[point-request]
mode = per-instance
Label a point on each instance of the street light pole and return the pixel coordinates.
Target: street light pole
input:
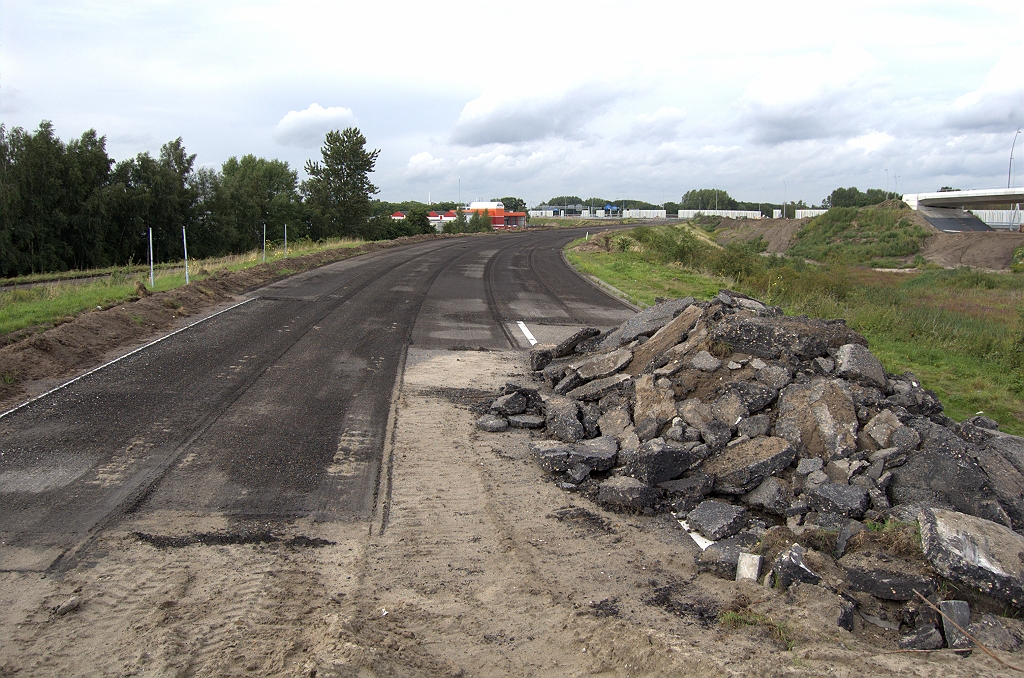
(1008, 169)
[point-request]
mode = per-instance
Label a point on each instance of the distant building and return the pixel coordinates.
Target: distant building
(398, 216)
(500, 219)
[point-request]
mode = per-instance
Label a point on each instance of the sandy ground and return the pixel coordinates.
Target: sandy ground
(478, 566)
(991, 251)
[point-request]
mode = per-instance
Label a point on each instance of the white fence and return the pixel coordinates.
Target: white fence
(807, 214)
(644, 214)
(1010, 219)
(728, 214)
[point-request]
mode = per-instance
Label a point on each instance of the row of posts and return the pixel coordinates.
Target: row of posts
(184, 243)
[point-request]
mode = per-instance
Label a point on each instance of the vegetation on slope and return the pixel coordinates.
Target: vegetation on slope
(875, 236)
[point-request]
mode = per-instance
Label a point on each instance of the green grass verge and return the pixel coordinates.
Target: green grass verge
(43, 305)
(961, 332)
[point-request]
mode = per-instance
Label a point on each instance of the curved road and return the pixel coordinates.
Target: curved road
(277, 408)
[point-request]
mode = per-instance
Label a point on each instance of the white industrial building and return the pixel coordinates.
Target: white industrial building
(728, 214)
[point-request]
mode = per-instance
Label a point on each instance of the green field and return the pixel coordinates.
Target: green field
(961, 332)
(50, 300)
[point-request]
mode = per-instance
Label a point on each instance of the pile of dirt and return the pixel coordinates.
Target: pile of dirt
(33, 355)
(778, 233)
(991, 251)
(792, 457)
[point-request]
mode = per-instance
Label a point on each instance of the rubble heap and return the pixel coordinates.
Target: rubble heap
(754, 428)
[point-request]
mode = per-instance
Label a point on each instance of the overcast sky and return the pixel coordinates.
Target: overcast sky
(644, 100)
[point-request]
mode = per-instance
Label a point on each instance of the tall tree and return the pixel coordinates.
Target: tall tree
(338, 189)
(256, 191)
(511, 203)
(708, 199)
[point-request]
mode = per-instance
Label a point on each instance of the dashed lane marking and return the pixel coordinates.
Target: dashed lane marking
(526, 332)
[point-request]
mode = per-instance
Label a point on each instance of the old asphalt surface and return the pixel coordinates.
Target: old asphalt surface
(277, 408)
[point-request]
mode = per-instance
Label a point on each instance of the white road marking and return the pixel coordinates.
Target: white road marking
(526, 332)
(130, 353)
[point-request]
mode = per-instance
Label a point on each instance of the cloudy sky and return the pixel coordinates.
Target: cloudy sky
(645, 100)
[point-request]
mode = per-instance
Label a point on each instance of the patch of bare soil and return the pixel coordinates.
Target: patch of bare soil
(484, 568)
(32, 360)
(980, 249)
(778, 233)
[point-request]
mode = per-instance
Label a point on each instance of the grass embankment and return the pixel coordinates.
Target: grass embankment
(50, 303)
(873, 236)
(961, 332)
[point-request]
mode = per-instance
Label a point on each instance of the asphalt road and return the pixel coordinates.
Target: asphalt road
(276, 409)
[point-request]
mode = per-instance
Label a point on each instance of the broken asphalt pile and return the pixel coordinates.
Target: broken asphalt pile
(791, 456)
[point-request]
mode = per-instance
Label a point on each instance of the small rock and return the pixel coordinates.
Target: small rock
(716, 434)
(741, 468)
(694, 412)
(927, 637)
(492, 423)
(578, 473)
(688, 492)
(614, 421)
(513, 403)
(70, 605)
(722, 557)
(599, 388)
(991, 633)
(905, 439)
(975, 552)
(626, 493)
(773, 495)
(604, 364)
(733, 365)
(526, 421)
(957, 613)
(755, 426)
(705, 362)
(881, 427)
(855, 362)
(851, 528)
(814, 480)
(599, 454)
(884, 576)
(825, 365)
(541, 356)
(563, 419)
(789, 568)
(658, 460)
(729, 409)
(748, 566)
(552, 456)
(805, 466)
(758, 364)
(717, 519)
(569, 345)
(846, 500)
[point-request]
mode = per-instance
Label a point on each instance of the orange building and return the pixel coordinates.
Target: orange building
(500, 219)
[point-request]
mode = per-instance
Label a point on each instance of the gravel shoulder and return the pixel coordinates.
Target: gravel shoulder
(483, 568)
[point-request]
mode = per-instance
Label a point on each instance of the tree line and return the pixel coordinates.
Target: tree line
(69, 205)
(718, 199)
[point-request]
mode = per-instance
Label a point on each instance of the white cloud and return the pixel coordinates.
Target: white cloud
(869, 142)
(306, 129)
(425, 166)
(501, 117)
(661, 126)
